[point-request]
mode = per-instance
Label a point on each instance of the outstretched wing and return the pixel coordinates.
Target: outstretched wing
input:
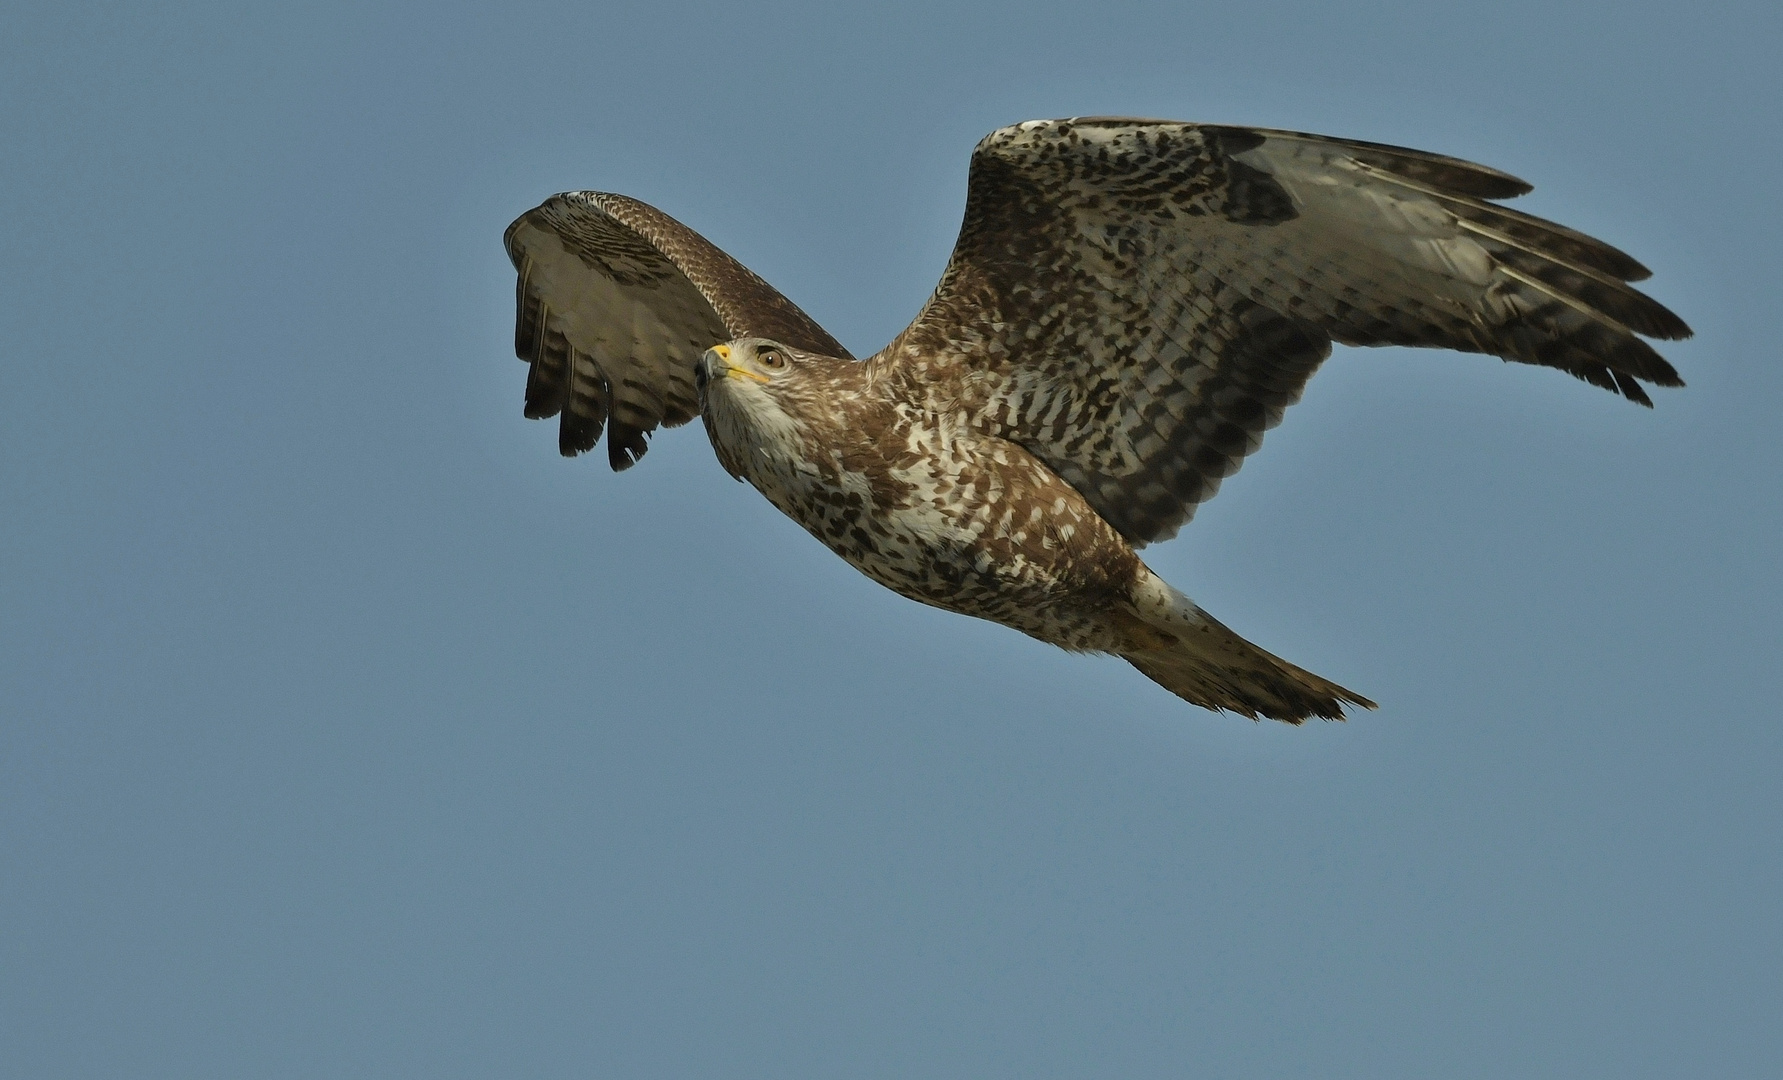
(617, 301)
(1136, 301)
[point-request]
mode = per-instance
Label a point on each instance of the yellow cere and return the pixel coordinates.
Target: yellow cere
(724, 353)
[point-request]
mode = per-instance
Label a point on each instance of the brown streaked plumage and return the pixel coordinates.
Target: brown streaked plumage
(1130, 304)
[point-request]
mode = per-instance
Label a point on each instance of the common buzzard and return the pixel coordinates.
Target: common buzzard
(1130, 305)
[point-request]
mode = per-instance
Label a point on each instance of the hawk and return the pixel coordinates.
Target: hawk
(1129, 306)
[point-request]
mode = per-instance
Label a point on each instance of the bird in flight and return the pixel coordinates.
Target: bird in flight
(1129, 306)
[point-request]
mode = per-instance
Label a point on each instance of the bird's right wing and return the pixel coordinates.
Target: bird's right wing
(1136, 301)
(617, 301)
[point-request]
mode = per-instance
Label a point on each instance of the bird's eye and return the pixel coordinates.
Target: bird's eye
(770, 359)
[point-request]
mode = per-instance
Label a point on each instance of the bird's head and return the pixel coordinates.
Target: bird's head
(759, 399)
(756, 360)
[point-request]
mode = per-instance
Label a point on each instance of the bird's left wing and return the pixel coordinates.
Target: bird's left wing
(1136, 301)
(617, 301)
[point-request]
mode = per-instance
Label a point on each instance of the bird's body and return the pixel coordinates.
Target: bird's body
(1130, 305)
(921, 502)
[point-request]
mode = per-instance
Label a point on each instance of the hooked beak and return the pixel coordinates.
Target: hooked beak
(717, 363)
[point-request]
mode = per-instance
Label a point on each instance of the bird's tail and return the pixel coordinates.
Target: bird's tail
(1194, 656)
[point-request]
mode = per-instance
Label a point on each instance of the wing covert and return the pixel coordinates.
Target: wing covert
(616, 302)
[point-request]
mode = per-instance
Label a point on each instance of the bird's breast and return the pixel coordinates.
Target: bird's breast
(961, 521)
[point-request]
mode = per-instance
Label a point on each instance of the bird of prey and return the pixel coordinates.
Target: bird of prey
(1129, 306)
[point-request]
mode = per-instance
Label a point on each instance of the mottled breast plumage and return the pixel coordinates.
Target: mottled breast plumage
(919, 502)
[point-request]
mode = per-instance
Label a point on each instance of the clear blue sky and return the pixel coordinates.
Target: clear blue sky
(346, 731)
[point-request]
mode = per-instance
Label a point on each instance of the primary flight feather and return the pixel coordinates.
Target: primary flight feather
(1129, 306)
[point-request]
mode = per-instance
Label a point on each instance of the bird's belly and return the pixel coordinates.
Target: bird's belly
(983, 530)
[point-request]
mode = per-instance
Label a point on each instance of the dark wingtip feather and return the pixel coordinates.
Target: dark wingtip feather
(1628, 354)
(577, 433)
(1616, 382)
(625, 445)
(1454, 174)
(529, 310)
(1451, 174)
(1326, 706)
(544, 397)
(1631, 389)
(1658, 370)
(1623, 303)
(1540, 235)
(1666, 324)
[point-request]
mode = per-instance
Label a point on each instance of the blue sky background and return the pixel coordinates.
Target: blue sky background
(347, 731)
